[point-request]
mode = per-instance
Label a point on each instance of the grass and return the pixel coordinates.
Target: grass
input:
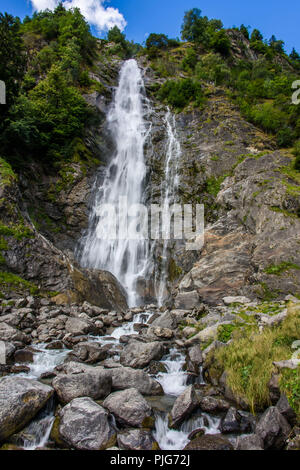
(290, 384)
(14, 282)
(19, 232)
(278, 269)
(6, 173)
(248, 360)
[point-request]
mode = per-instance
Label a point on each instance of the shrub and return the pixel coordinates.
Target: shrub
(179, 93)
(296, 152)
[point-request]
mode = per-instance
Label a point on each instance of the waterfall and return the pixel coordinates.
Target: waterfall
(169, 187)
(125, 177)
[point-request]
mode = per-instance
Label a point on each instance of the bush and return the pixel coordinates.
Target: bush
(296, 152)
(221, 43)
(179, 93)
(190, 60)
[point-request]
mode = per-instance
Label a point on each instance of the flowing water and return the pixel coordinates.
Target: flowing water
(105, 248)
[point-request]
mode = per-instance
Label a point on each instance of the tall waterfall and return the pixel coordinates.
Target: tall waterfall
(125, 177)
(169, 194)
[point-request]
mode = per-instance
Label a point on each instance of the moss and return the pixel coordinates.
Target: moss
(284, 212)
(6, 172)
(19, 231)
(278, 269)
(225, 332)
(213, 185)
(14, 282)
(174, 270)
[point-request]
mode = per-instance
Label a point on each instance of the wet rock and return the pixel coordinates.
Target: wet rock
(125, 377)
(184, 405)
(274, 389)
(273, 429)
(138, 355)
(23, 356)
(19, 369)
(250, 442)
(55, 345)
(130, 408)
(286, 410)
(20, 400)
(90, 352)
(155, 367)
(230, 423)
(165, 320)
(196, 433)
(85, 425)
(137, 439)
(209, 442)
(94, 384)
(211, 404)
(77, 327)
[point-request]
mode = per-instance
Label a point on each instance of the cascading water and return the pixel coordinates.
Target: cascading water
(125, 178)
(169, 187)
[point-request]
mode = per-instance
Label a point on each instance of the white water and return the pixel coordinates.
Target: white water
(39, 430)
(125, 177)
(174, 382)
(44, 361)
(169, 187)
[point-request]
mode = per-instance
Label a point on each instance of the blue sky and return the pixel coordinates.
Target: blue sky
(147, 16)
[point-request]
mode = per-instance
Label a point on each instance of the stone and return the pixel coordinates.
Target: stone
(273, 429)
(274, 388)
(90, 352)
(250, 442)
(94, 384)
(286, 410)
(20, 400)
(130, 408)
(187, 300)
(209, 442)
(184, 405)
(77, 327)
(10, 334)
(137, 439)
(85, 425)
(213, 405)
(165, 320)
(230, 423)
(236, 300)
(23, 356)
(138, 355)
(125, 377)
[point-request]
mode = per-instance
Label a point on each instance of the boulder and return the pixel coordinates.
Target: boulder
(10, 334)
(213, 405)
(250, 442)
(187, 300)
(286, 410)
(184, 405)
(23, 356)
(78, 327)
(230, 423)
(90, 352)
(130, 408)
(137, 439)
(125, 377)
(94, 384)
(85, 425)
(165, 320)
(273, 429)
(236, 300)
(138, 355)
(274, 389)
(209, 442)
(20, 400)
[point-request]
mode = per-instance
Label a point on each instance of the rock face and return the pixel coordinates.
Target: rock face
(138, 355)
(273, 429)
(130, 408)
(250, 442)
(84, 425)
(184, 406)
(95, 384)
(137, 439)
(20, 400)
(125, 377)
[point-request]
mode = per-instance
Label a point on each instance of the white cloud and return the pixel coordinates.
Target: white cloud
(95, 12)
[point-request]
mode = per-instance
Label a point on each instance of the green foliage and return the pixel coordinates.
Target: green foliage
(180, 93)
(13, 282)
(221, 43)
(256, 36)
(278, 269)
(156, 43)
(19, 232)
(245, 31)
(296, 152)
(199, 29)
(225, 332)
(6, 172)
(290, 384)
(212, 68)
(190, 60)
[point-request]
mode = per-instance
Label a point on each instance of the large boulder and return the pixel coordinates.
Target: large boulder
(209, 442)
(273, 429)
(138, 355)
(137, 439)
(79, 327)
(183, 406)
(90, 352)
(10, 334)
(166, 320)
(85, 425)
(211, 404)
(125, 377)
(286, 410)
(130, 408)
(95, 384)
(20, 400)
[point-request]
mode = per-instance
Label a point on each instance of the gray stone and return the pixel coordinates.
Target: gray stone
(184, 405)
(187, 300)
(250, 442)
(130, 408)
(137, 439)
(20, 400)
(138, 355)
(286, 410)
(125, 377)
(85, 425)
(209, 442)
(273, 429)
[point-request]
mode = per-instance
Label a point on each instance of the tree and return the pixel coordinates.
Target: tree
(199, 29)
(245, 31)
(275, 44)
(256, 36)
(158, 41)
(116, 36)
(12, 58)
(221, 43)
(294, 55)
